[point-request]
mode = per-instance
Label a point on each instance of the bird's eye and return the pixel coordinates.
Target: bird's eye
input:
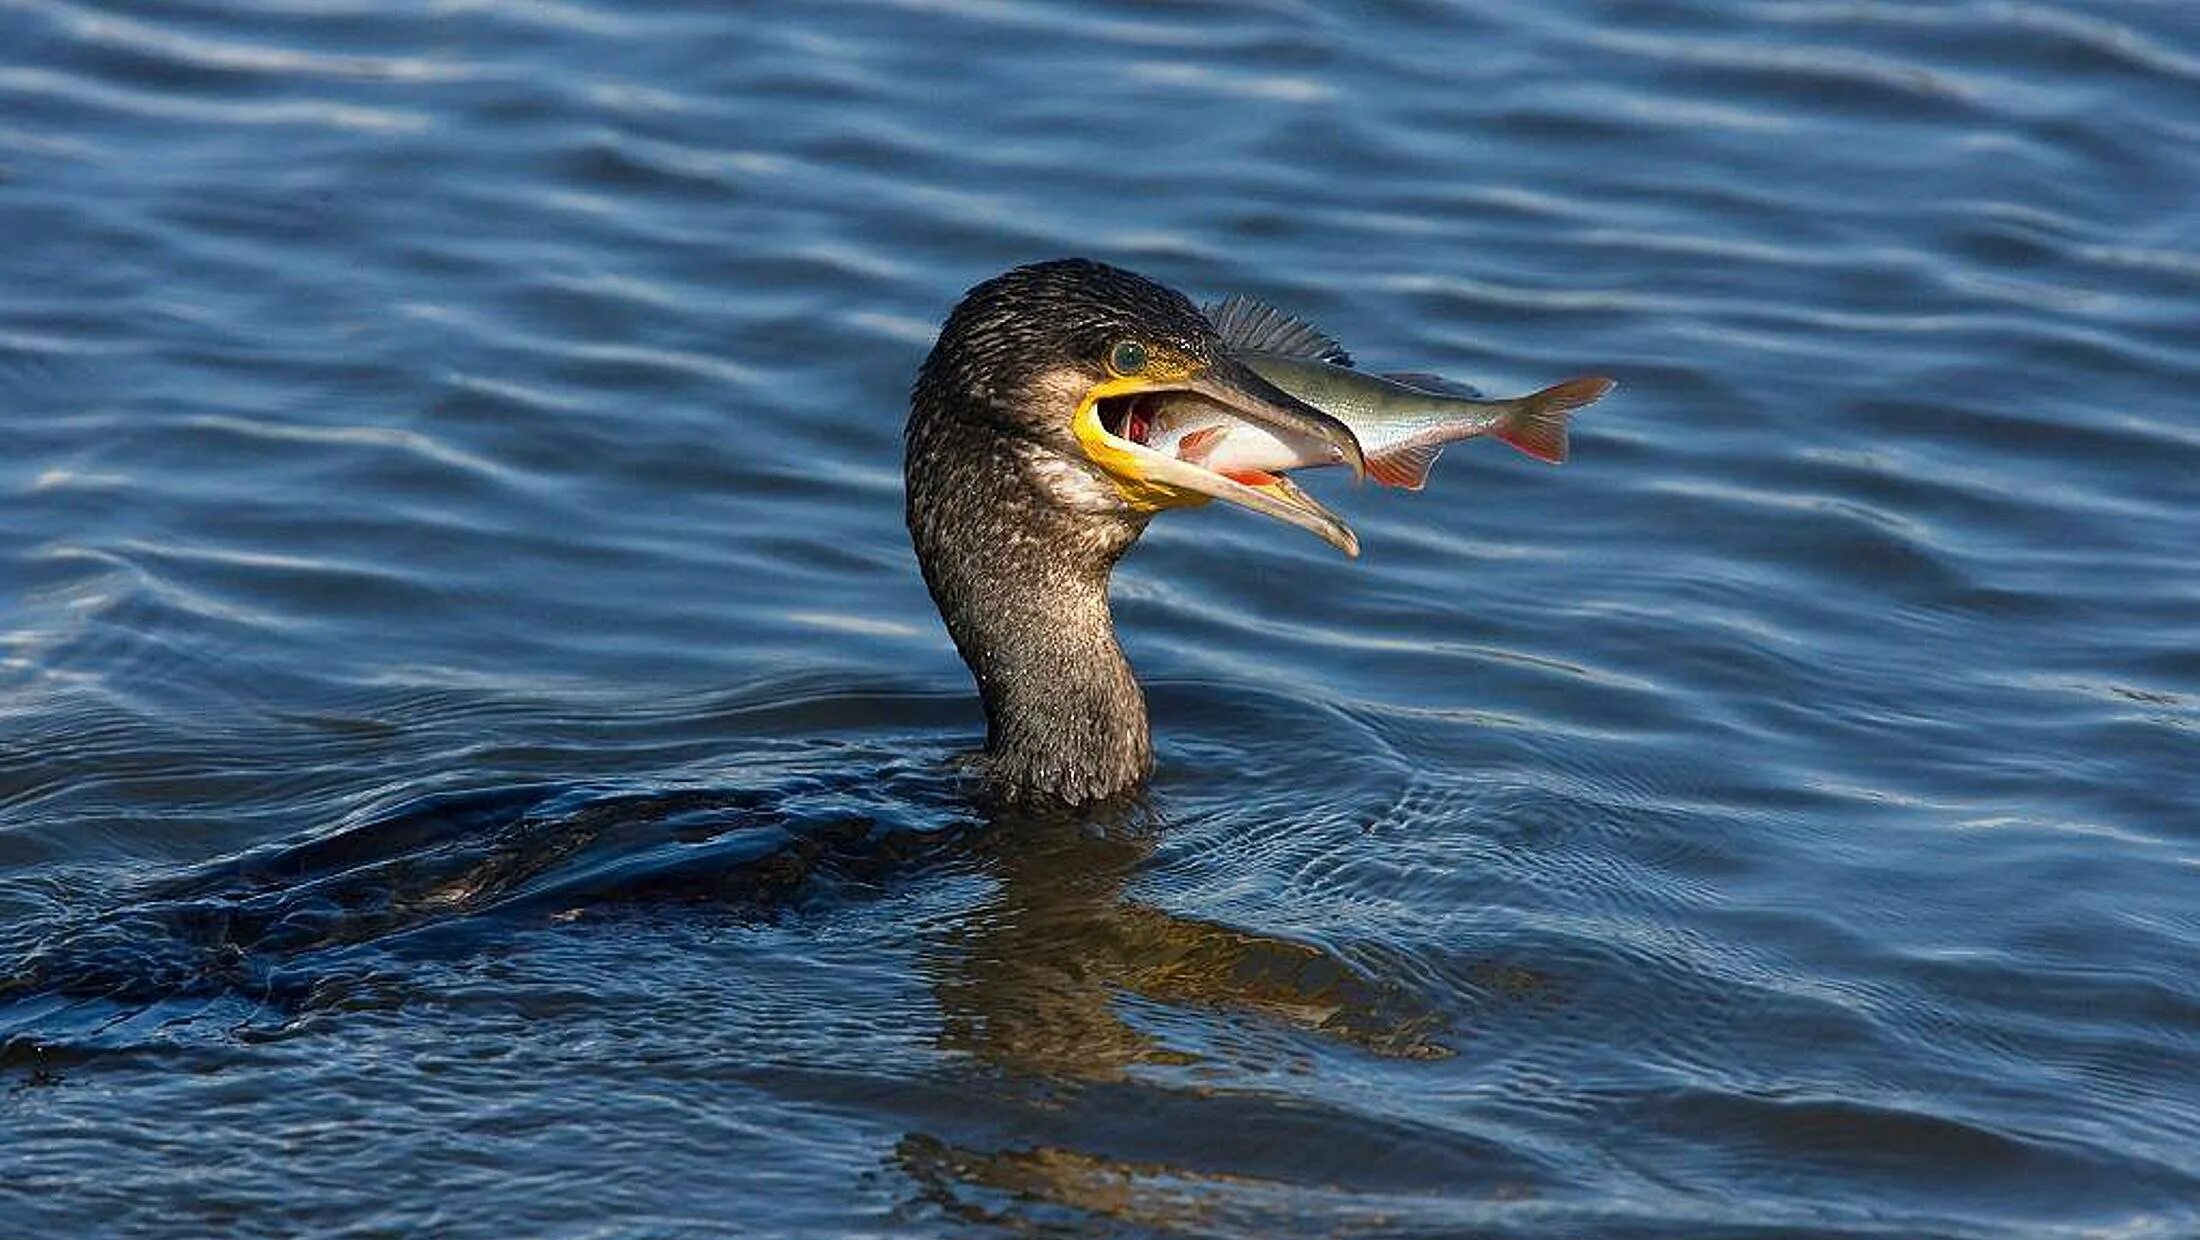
(1128, 358)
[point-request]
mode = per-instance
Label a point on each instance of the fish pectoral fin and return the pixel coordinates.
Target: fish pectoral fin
(1538, 426)
(1250, 323)
(1195, 445)
(1406, 467)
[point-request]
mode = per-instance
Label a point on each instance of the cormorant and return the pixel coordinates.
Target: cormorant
(1026, 483)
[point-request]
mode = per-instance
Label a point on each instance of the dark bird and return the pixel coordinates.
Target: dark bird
(1028, 478)
(1027, 481)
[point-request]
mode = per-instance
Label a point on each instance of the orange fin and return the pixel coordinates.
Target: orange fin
(1406, 467)
(1195, 445)
(1538, 426)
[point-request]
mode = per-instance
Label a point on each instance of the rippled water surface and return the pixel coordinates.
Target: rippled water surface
(476, 755)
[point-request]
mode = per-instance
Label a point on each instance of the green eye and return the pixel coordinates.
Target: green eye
(1128, 358)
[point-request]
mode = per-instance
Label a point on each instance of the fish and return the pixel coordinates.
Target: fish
(1403, 421)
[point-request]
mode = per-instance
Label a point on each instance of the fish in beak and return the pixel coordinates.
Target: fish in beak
(1110, 428)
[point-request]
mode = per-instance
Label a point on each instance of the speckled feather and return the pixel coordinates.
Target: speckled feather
(1017, 533)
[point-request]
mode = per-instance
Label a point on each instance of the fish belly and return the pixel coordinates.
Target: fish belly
(1256, 449)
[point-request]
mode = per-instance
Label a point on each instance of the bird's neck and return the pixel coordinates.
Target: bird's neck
(1018, 557)
(1065, 718)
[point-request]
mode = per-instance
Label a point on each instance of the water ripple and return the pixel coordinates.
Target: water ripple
(458, 619)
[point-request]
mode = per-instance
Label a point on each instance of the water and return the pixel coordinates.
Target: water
(476, 756)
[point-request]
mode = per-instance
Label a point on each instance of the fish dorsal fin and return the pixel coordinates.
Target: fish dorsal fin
(1250, 323)
(1406, 467)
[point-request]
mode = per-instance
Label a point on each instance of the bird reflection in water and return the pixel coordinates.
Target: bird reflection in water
(1061, 982)
(1036, 979)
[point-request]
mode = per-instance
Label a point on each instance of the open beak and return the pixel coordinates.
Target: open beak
(1155, 480)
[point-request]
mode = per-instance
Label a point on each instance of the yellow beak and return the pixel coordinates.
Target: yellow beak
(1153, 480)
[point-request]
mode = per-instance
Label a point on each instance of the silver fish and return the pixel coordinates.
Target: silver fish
(1402, 421)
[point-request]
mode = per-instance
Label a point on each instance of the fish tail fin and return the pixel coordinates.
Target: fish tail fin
(1538, 425)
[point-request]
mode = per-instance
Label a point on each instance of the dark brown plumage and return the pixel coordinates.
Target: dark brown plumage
(1017, 531)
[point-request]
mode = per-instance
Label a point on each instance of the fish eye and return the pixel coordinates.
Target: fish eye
(1127, 358)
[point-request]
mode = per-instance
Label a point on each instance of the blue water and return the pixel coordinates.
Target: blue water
(476, 757)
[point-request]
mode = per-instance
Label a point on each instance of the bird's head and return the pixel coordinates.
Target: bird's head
(1058, 355)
